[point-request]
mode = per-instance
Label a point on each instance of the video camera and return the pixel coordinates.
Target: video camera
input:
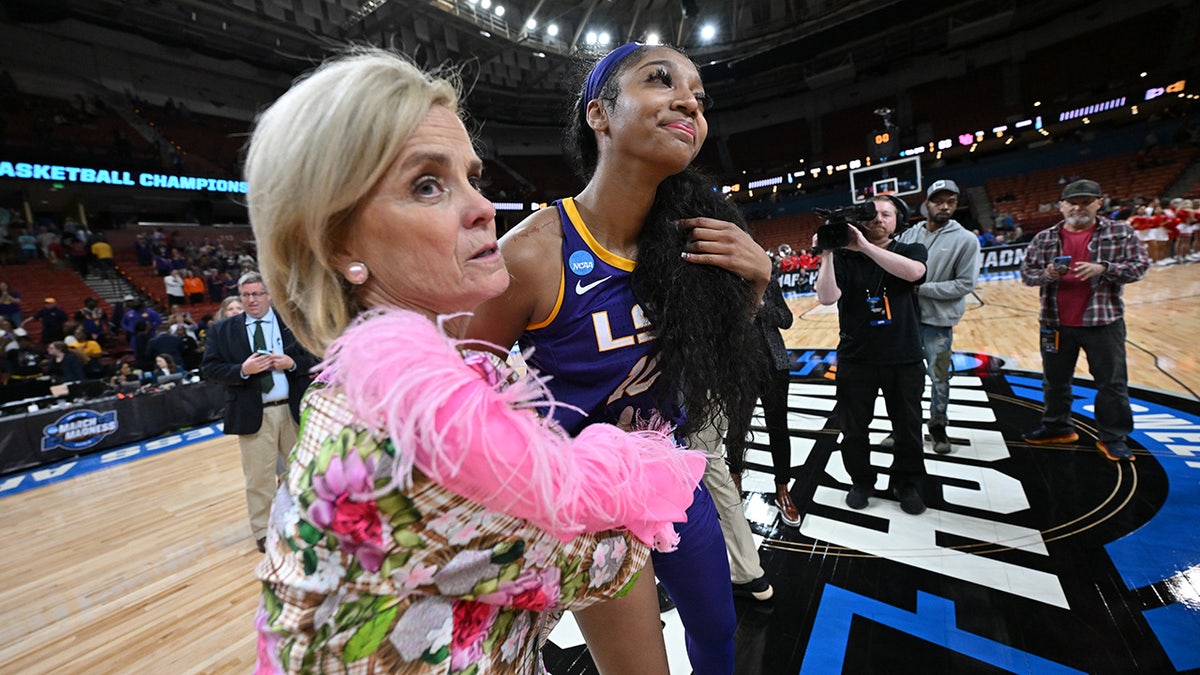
(835, 233)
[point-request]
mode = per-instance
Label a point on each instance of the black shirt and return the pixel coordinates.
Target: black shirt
(859, 278)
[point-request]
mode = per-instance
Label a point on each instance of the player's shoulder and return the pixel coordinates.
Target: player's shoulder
(535, 240)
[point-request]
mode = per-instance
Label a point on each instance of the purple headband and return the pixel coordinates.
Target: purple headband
(601, 71)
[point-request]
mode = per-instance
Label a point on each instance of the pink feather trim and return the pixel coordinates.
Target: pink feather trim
(400, 373)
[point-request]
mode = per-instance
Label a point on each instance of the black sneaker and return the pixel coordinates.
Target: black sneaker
(1115, 450)
(910, 499)
(941, 442)
(664, 601)
(858, 497)
(759, 589)
(1042, 436)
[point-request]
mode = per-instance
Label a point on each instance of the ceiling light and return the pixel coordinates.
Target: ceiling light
(605, 38)
(530, 24)
(486, 4)
(708, 32)
(552, 30)
(653, 39)
(499, 10)
(590, 38)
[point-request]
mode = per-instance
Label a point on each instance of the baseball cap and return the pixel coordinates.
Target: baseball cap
(50, 300)
(1082, 188)
(942, 186)
(20, 332)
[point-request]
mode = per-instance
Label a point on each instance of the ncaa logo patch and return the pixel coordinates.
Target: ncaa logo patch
(581, 263)
(78, 430)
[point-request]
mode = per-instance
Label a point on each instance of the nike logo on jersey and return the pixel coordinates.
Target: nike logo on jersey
(580, 288)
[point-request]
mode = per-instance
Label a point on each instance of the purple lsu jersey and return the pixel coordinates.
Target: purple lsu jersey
(597, 345)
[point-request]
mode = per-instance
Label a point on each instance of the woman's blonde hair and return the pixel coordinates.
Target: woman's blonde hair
(225, 306)
(312, 156)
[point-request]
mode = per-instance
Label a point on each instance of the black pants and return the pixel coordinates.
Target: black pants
(774, 402)
(858, 384)
(1105, 349)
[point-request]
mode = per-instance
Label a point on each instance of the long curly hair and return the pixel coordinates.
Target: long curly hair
(711, 358)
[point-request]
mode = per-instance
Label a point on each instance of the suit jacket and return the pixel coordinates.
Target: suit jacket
(226, 347)
(775, 314)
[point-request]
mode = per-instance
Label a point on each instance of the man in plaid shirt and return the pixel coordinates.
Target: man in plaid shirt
(1082, 264)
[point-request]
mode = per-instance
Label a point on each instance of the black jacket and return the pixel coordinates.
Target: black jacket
(226, 347)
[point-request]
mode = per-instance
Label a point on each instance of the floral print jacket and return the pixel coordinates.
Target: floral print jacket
(417, 580)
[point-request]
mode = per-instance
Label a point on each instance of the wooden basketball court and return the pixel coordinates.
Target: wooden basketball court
(146, 567)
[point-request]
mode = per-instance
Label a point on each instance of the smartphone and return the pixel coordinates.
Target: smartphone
(263, 351)
(1062, 262)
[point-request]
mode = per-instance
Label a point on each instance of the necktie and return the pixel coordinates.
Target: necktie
(260, 342)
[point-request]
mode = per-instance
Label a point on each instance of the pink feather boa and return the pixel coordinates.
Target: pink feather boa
(400, 373)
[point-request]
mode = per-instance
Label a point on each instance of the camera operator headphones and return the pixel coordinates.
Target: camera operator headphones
(901, 214)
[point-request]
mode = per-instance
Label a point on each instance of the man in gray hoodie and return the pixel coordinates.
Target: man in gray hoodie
(951, 272)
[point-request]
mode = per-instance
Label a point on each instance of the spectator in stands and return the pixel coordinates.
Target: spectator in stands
(28, 244)
(1082, 309)
(55, 252)
(63, 365)
(165, 341)
(212, 279)
(138, 312)
(10, 304)
(193, 287)
(228, 284)
(45, 237)
(53, 320)
(173, 283)
(231, 306)
(80, 256)
(93, 320)
(142, 249)
(102, 252)
(83, 345)
(162, 265)
(952, 268)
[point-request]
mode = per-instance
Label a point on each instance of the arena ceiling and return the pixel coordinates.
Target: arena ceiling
(763, 49)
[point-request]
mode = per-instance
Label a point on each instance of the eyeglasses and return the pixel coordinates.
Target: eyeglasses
(253, 296)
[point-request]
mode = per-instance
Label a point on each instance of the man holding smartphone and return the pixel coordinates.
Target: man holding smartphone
(265, 372)
(1082, 265)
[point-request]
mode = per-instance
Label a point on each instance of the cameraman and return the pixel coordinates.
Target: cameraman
(873, 280)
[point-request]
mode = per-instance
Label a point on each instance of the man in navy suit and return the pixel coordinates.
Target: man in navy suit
(265, 372)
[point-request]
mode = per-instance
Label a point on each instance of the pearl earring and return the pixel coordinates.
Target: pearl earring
(357, 273)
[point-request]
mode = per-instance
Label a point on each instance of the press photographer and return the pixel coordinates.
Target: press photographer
(873, 278)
